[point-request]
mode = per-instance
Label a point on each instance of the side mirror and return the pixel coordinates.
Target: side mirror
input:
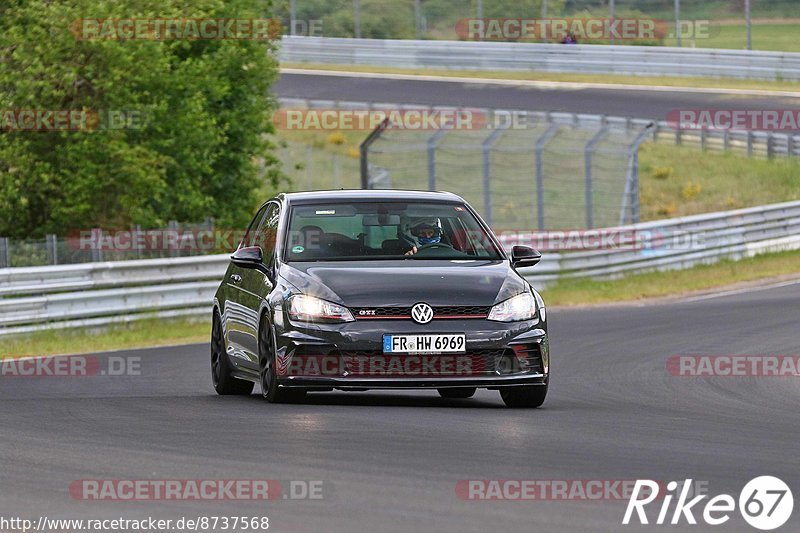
(248, 257)
(524, 256)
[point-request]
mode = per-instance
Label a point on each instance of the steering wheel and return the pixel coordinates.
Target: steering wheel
(434, 246)
(438, 249)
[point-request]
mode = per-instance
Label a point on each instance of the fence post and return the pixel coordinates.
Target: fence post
(5, 253)
(703, 139)
(364, 151)
(539, 148)
(172, 227)
(97, 251)
(588, 153)
(770, 145)
(630, 198)
(486, 148)
(433, 143)
(137, 232)
(726, 140)
(357, 18)
(749, 143)
(51, 244)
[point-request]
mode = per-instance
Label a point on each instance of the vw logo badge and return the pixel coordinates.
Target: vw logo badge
(422, 313)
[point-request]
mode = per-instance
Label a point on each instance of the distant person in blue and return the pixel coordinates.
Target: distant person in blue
(569, 39)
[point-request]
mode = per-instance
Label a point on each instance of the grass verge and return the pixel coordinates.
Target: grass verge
(684, 180)
(663, 284)
(140, 334)
(614, 79)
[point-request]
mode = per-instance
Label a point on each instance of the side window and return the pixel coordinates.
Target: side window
(267, 233)
(251, 229)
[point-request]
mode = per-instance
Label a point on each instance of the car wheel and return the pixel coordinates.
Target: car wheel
(524, 396)
(221, 371)
(270, 390)
(459, 392)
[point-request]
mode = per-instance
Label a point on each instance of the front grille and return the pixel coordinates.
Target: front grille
(404, 313)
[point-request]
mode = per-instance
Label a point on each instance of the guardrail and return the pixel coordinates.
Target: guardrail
(747, 142)
(101, 293)
(586, 59)
(685, 242)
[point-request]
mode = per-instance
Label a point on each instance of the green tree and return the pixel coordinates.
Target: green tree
(201, 148)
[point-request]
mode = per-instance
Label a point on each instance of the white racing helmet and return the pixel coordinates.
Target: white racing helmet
(421, 231)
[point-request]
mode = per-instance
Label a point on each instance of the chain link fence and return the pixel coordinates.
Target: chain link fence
(91, 246)
(547, 171)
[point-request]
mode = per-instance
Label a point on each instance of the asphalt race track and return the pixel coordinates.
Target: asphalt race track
(615, 102)
(390, 461)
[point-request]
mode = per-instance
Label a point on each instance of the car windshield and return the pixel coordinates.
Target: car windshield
(386, 230)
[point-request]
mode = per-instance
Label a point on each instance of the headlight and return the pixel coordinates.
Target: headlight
(310, 309)
(520, 307)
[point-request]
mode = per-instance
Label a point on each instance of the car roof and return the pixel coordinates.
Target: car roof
(344, 195)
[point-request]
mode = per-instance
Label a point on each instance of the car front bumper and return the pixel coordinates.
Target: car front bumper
(497, 355)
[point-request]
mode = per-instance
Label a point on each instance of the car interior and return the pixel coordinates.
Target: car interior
(312, 242)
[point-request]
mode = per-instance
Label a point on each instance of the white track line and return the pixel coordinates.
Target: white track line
(542, 84)
(743, 290)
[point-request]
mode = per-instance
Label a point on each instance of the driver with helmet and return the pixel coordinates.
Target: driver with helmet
(421, 232)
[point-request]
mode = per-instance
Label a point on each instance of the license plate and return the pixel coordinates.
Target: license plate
(421, 344)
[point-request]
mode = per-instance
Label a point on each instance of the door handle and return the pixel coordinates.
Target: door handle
(236, 278)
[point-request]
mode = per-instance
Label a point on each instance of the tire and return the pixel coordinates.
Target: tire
(221, 371)
(270, 390)
(460, 392)
(524, 396)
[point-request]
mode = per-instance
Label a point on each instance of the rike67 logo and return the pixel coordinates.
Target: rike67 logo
(766, 503)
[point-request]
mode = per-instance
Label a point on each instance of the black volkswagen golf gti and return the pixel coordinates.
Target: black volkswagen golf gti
(357, 290)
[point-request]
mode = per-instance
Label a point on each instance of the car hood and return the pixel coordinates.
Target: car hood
(406, 282)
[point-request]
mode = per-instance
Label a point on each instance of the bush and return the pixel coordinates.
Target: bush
(662, 173)
(197, 151)
(690, 191)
